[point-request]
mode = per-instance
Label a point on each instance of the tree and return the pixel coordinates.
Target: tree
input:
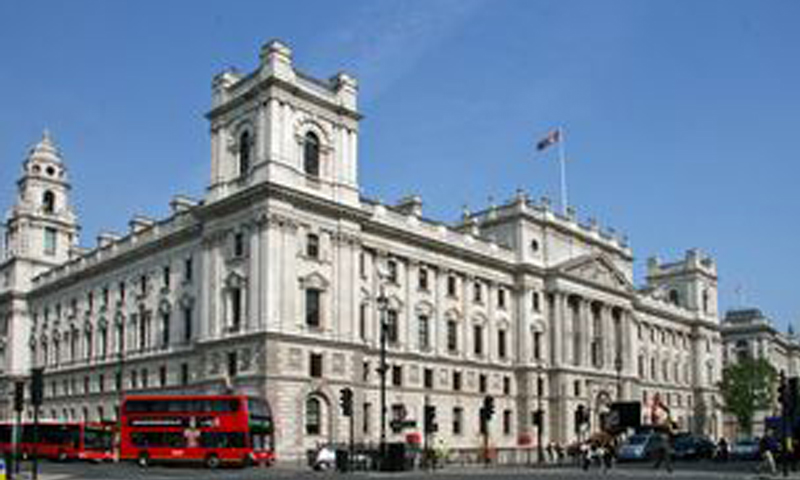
(747, 386)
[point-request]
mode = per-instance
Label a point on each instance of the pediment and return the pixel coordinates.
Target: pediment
(597, 269)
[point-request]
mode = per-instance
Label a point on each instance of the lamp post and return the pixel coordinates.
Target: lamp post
(383, 304)
(540, 414)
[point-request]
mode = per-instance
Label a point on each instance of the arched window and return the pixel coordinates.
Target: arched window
(49, 202)
(311, 154)
(313, 416)
(245, 147)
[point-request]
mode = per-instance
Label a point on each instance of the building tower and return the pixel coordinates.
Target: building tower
(41, 232)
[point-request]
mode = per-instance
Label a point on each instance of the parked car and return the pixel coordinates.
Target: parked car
(642, 446)
(745, 449)
(693, 447)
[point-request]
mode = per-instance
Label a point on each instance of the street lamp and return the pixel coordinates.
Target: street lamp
(539, 414)
(383, 304)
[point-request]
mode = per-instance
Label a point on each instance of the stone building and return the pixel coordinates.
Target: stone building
(748, 333)
(275, 284)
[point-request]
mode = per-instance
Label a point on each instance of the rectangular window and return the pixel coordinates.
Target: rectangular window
(428, 378)
(315, 365)
(536, 302)
(312, 307)
(501, 298)
(458, 419)
(478, 292)
(184, 374)
(49, 241)
(187, 270)
(145, 378)
(506, 385)
(362, 321)
(166, 274)
(501, 344)
(162, 375)
(506, 422)
(233, 364)
(478, 339)
(90, 301)
(456, 381)
(312, 245)
(238, 245)
(423, 279)
(397, 375)
(576, 388)
(366, 417)
(143, 284)
(392, 330)
(482, 383)
(105, 296)
(424, 332)
(537, 345)
(101, 383)
(539, 387)
(391, 266)
(187, 324)
(122, 292)
(452, 336)
(451, 286)
(236, 309)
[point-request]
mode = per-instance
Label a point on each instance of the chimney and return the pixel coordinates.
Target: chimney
(104, 239)
(181, 204)
(140, 222)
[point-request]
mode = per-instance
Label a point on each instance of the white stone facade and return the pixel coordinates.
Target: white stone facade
(269, 286)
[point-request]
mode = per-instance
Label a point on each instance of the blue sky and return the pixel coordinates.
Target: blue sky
(681, 116)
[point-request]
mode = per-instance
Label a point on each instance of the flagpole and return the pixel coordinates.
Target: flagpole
(562, 160)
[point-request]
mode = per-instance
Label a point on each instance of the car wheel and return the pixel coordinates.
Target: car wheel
(143, 460)
(212, 461)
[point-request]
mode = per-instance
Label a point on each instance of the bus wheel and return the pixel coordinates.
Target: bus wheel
(143, 460)
(62, 456)
(247, 461)
(212, 461)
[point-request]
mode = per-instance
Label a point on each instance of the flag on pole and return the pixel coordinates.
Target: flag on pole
(551, 139)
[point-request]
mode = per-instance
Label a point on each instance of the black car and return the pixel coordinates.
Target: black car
(692, 447)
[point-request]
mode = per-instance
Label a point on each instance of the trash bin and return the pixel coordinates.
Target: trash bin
(342, 460)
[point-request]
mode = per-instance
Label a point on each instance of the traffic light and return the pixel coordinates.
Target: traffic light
(346, 401)
(19, 396)
(37, 386)
(791, 397)
(538, 418)
(430, 419)
(488, 407)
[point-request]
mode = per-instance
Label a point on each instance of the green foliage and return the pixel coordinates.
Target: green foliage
(747, 386)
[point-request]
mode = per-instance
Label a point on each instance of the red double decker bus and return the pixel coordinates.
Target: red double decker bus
(60, 441)
(212, 429)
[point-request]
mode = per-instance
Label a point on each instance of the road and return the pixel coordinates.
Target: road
(125, 471)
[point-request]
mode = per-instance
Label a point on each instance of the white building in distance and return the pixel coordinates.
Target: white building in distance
(269, 286)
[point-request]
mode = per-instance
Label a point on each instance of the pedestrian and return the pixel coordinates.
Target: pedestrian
(664, 454)
(722, 450)
(767, 464)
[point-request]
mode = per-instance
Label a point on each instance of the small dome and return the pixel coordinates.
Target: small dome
(45, 150)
